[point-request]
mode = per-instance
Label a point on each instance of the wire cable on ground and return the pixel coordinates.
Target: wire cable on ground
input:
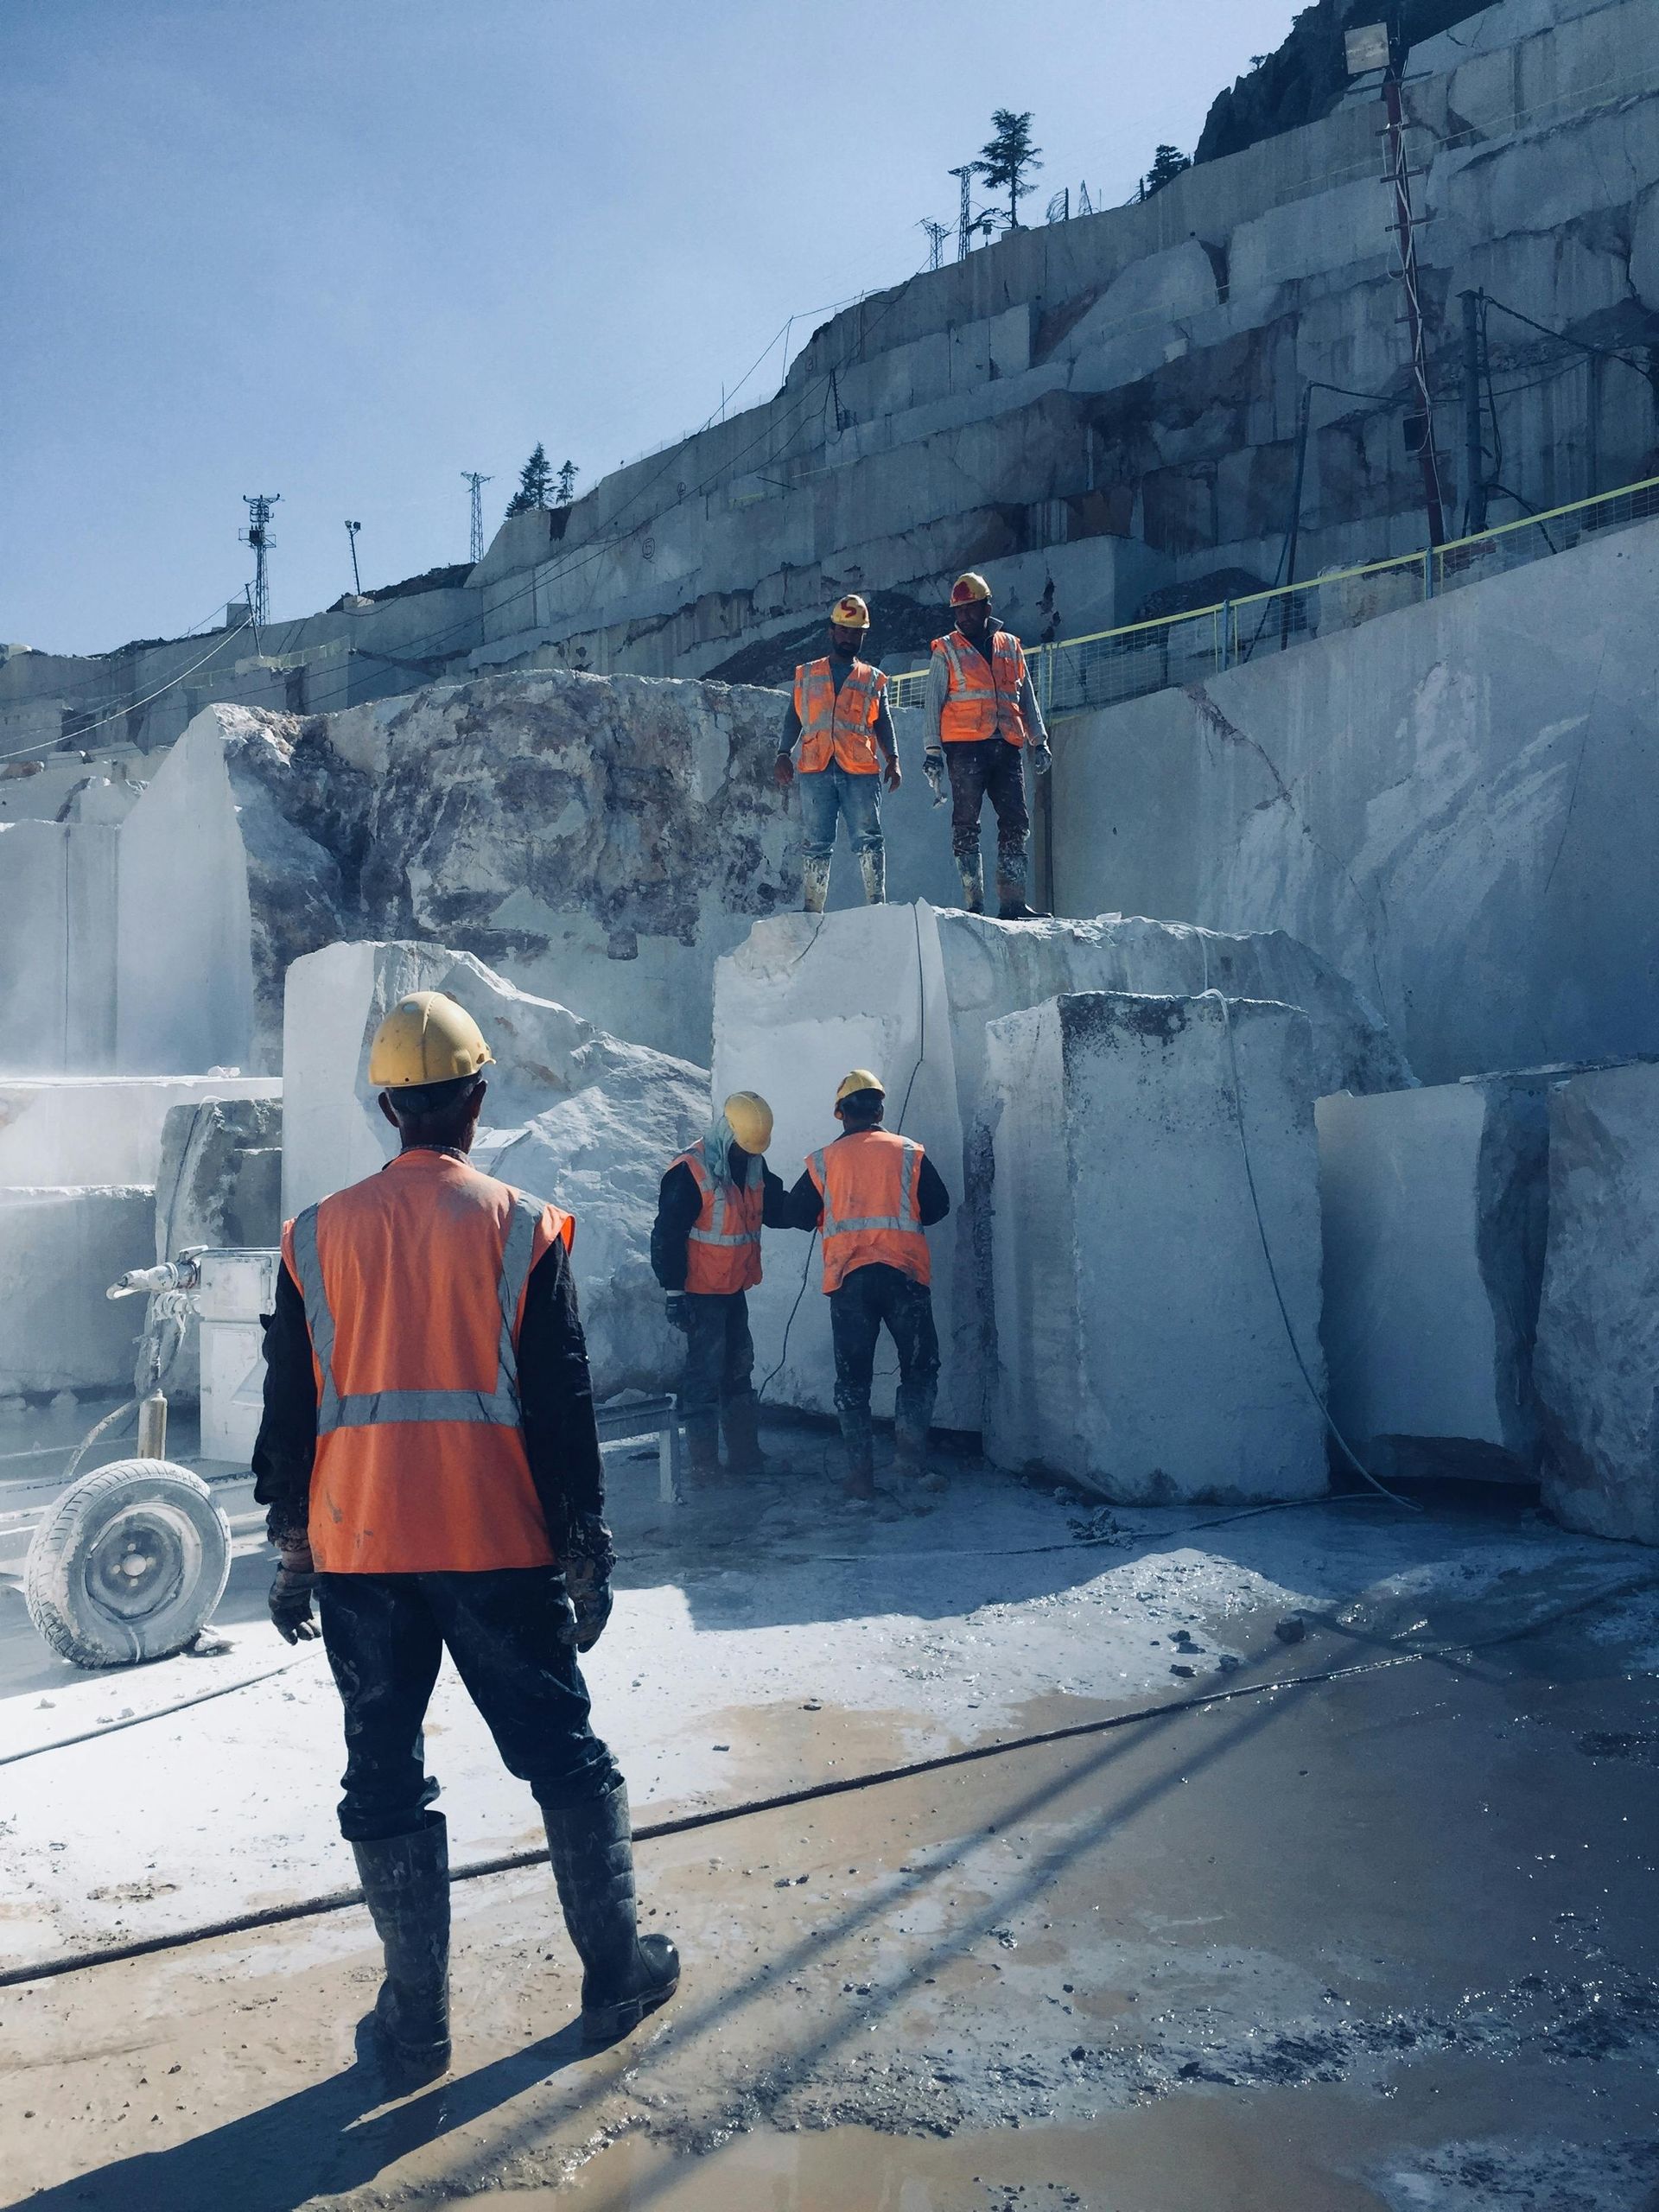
(782, 1801)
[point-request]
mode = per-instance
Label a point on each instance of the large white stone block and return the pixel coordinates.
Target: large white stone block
(60, 1251)
(909, 991)
(1434, 1209)
(101, 1128)
(57, 946)
(1137, 1338)
(1597, 1362)
(573, 1115)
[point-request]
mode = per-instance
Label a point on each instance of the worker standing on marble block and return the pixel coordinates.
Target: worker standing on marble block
(430, 1465)
(981, 719)
(839, 712)
(705, 1251)
(874, 1194)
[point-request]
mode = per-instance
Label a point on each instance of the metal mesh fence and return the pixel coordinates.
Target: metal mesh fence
(1076, 675)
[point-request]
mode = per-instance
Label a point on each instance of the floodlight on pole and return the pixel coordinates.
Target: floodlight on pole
(352, 529)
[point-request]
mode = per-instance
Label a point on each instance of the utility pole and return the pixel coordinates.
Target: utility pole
(936, 235)
(471, 476)
(965, 213)
(257, 534)
(1404, 230)
(352, 529)
(1474, 450)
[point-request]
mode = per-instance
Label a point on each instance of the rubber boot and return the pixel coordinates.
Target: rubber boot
(972, 871)
(859, 1482)
(741, 1419)
(625, 1974)
(1011, 887)
(872, 867)
(815, 885)
(910, 1460)
(406, 1887)
(702, 1451)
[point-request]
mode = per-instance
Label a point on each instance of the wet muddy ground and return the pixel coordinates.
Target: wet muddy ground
(1386, 1941)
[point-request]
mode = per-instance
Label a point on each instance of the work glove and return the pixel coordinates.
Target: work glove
(289, 1602)
(782, 774)
(1041, 759)
(933, 769)
(677, 1307)
(588, 1558)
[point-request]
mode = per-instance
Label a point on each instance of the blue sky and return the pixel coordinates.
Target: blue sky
(344, 249)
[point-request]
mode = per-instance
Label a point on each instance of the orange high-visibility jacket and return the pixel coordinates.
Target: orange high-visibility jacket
(414, 1285)
(839, 725)
(984, 696)
(870, 1183)
(722, 1252)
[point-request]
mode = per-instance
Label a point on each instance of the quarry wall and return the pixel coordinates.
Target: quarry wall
(1455, 803)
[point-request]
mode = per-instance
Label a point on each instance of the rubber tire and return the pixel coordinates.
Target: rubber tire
(68, 1612)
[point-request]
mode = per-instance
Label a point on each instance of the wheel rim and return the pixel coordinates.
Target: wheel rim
(142, 1563)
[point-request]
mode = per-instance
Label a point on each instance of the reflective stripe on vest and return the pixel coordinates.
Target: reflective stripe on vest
(838, 725)
(976, 708)
(851, 1241)
(721, 1259)
(499, 1409)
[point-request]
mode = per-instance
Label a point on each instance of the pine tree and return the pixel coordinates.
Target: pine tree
(568, 476)
(1007, 156)
(535, 484)
(1168, 162)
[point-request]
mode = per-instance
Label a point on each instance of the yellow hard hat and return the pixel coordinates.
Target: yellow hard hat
(969, 588)
(850, 614)
(749, 1119)
(860, 1079)
(427, 1038)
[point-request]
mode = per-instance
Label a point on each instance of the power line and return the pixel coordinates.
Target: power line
(936, 235)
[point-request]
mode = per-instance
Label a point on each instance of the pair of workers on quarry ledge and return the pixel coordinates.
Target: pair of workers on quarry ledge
(429, 1461)
(980, 719)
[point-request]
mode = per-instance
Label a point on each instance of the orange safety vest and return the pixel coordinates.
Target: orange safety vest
(983, 700)
(839, 724)
(414, 1285)
(723, 1251)
(870, 1183)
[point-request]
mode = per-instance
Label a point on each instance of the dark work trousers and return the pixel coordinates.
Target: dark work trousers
(992, 769)
(719, 1357)
(384, 1635)
(869, 1296)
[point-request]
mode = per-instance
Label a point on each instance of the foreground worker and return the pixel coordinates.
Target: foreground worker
(874, 1194)
(981, 717)
(430, 1461)
(705, 1251)
(839, 711)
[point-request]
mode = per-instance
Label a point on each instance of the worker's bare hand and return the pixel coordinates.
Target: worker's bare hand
(289, 1604)
(893, 775)
(783, 774)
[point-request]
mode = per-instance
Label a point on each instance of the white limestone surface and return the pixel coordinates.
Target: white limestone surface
(1434, 1205)
(101, 1128)
(572, 1114)
(1598, 1357)
(1138, 1343)
(57, 946)
(59, 1250)
(909, 991)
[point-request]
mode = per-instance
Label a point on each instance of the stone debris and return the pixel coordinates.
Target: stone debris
(1137, 1342)
(572, 1114)
(909, 991)
(1433, 1207)
(1597, 1350)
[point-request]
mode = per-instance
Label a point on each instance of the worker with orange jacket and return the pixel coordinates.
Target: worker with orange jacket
(431, 1464)
(980, 718)
(839, 711)
(705, 1251)
(874, 1194)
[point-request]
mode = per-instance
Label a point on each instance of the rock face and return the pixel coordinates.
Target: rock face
(1136, 1339)
(573, 1115)
(909, 991)
(605, 837)
(219, 1182)
(1434, 1204)
(1597, 1355)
